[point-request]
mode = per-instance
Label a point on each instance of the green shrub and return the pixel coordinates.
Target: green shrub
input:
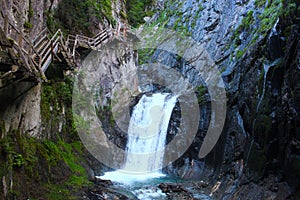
(137, 10)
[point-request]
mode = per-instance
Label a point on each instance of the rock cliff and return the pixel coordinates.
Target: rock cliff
(255, 45)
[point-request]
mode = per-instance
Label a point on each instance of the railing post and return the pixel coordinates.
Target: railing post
(6, 25)
(74, 47)
(52, 50)
(21, 39)
(41, 70)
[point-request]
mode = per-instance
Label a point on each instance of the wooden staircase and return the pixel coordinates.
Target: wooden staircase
(37, 55)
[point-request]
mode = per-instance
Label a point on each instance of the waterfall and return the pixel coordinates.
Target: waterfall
(146, 139)
(147, 133)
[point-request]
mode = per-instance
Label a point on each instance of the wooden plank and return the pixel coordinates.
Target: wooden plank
(40, 36)
(47, 54)
(46, 64)
(36, 45)
(6, 25)
(45, 48)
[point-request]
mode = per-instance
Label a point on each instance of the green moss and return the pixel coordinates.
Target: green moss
(51, 152)
(27, 25)
(254, 39)
(145, 55)
(62, 191)
(248, 20)
(56, 97)
(265, 17)
(58, 192)
(36, 162)
(201, 91)
(177, 23)
(78, 146)
(163, 18)
(244, 26)
(30, 13)
(240, 53)
(259, 3)
(269, 16)
(25, 156)
(67, 153)
(178, 26)
(18, 160)
(77, 181)
(46, 101)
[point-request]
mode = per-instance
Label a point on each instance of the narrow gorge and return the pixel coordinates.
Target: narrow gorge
(150, 99)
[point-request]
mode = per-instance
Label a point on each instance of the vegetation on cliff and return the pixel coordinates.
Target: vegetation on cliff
(76, 16)
(51, 168)
(137, 10)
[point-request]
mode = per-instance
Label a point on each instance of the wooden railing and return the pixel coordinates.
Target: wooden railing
(46, 48)
(37, 55)
(92, 43)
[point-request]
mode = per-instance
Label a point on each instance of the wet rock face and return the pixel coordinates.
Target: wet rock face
(261, 131)
(24, 114)
(267, 143)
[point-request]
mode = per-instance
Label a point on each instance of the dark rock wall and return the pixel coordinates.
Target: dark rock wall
(256, 47)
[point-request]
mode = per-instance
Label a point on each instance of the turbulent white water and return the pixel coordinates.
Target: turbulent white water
(146, 139)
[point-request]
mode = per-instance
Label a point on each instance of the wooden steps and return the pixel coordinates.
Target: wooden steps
(37, 55)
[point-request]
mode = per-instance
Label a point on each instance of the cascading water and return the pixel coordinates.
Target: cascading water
(267, 67)
(146, 139)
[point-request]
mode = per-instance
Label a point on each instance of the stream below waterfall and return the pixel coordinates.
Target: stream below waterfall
(141, 174)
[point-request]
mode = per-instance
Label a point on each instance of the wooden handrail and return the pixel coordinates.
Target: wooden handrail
(37, 54)
(40, 36)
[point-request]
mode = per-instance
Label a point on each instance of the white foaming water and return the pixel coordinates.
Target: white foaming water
(149, 194)
(146, 139)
